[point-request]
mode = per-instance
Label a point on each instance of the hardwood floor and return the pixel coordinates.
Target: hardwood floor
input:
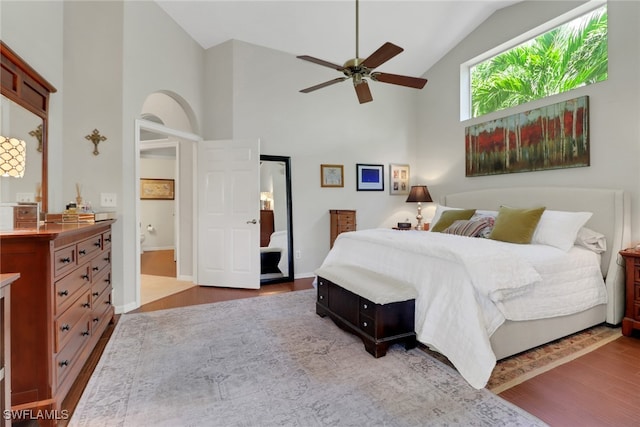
(598, 389)
(158, 263)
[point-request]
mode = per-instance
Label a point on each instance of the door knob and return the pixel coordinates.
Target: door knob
(253, 221)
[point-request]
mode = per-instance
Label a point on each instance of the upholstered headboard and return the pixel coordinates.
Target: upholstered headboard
(610, 217)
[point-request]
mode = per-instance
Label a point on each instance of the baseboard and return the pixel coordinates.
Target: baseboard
(185, 278)
(157, 248)
(125, 308)
(304, 275)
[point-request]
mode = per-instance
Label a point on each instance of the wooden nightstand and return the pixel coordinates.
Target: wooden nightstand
(631, 319)
(341, 221)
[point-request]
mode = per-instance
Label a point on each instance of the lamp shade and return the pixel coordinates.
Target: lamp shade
(419, 193)
(12, 157)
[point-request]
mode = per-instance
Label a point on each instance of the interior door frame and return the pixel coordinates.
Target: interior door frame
(287, 166)
(140, 125)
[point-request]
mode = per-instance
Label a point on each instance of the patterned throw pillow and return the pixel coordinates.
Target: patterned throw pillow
(480, 227)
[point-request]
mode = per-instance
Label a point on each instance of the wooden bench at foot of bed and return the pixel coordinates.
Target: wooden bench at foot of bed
(378, 309)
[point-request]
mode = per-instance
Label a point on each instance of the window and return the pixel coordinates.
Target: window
(566, 57)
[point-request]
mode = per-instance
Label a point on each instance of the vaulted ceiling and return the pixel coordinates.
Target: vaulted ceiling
(426, 29)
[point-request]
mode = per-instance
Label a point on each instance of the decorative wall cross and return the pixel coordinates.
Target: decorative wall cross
(96, 138)
(37, 134)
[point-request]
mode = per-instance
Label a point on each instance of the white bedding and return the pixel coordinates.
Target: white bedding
(467, 287)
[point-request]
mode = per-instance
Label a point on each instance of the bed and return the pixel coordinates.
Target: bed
(480, 300)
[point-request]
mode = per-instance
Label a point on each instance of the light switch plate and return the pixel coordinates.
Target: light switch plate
(108, 200)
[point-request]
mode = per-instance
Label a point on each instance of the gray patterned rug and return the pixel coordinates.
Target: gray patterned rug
(271, 361)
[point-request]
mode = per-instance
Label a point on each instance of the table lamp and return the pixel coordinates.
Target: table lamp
(419, 193)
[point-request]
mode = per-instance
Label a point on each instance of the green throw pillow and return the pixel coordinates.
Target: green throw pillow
(448, 217)
(516, 225)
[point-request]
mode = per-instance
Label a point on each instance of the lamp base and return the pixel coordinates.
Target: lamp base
(419, 217)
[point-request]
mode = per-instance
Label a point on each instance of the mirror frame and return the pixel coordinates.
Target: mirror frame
(24, 86)
(287, 167)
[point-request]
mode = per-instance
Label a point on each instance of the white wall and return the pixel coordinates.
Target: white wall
(614, 109)
(327, 126)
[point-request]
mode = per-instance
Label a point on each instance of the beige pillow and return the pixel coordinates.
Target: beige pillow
(448, 217)
(516, 225)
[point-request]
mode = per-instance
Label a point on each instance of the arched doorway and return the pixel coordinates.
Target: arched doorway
(164, 148)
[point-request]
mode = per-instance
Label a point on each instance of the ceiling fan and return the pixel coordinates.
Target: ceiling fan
(358, 70)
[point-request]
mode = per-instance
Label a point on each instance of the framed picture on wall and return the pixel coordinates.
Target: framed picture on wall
(331, 175)
(398, 179)
(157, 189)
(369, 177)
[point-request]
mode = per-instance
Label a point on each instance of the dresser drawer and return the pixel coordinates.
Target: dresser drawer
(65, 289)
(101, 307)
(636, 294)
(106, 240)
(636, 311)
(70, 353)
(88, 247)
(636, 272)
(70, 324)
(100, 262)
(100, 283)
(64, 260)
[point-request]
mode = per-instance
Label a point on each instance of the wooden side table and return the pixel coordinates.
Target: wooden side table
(631, 318)
(342, 220)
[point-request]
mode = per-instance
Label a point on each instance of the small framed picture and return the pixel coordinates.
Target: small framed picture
(398, 179)
(331, 175)
(157, 189)
(369, 177)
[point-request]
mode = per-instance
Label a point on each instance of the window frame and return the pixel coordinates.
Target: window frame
(465, 67)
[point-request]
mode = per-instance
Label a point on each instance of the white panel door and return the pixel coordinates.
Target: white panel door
(228, 237)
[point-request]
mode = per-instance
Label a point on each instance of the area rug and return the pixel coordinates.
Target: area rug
(516, 369)
(271, 361)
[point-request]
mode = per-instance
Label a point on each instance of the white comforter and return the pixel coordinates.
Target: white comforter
(467, 287)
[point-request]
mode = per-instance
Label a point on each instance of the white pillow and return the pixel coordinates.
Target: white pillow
(559, 228)
(592, 240)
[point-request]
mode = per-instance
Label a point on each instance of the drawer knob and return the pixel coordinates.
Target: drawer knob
(107, 280)
(108, 302)
(82, 252)
(85, 333)
(85, 276)
(97, 244)
(107, 239)
(86, 305)
(95, 294)
(107, 259)
(96, 268)
(63, 293)
(65, 327)
(95, 319)
(66, 260)
(64, 363)
(321, 296)
(364, 324)
(365, 306)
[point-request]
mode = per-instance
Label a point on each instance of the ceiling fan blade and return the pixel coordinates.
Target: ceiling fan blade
(325, 84)
(363, 92)
(382, 55)
(395, 79)
(321, 62)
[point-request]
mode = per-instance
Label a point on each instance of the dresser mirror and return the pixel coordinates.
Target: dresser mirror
(18, 122)
(25, 110)
(276, 238)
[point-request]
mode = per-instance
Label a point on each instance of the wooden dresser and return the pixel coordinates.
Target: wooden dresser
(631, 318)
(267, 227)
(60, 306)
(341, 221)
(5, 343)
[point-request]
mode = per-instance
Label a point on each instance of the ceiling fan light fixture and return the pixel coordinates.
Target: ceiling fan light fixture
(359, 69)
